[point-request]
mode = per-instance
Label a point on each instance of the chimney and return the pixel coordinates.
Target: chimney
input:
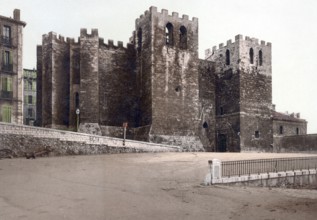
(298, 115)
(273, 107)
(16, 14)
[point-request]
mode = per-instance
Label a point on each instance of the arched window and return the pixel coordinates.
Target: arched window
(260, 58)
(139, 39)
(183, 37)
(169, 34)
(251, 55)
(227, 57)
(76, 100)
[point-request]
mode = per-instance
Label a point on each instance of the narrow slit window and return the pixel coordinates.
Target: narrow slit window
(227, 57)
(260, 58)
(251, 53)
(257, 134)
(169, 34)
(297, 131)
(183, 37)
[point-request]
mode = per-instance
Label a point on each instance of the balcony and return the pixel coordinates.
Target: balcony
(7, 67)
(6, 41)
(6, 95)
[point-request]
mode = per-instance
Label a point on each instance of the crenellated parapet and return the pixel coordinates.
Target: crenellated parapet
(164, 13)
(84, 33)
(111, 45)
(239, 39)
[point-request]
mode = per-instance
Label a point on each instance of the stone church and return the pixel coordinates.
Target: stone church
(160, 87)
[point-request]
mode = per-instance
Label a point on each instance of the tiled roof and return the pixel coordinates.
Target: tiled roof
(286, 117)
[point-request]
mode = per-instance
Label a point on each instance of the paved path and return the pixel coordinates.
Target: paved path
(139, 186)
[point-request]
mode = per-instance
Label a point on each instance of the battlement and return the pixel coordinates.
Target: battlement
(52, 36)
(110, 44)
(84, 33)
(72, 40)
(239, 38)
(164, 13)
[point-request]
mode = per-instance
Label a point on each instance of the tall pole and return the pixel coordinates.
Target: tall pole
(125, 125)
(77, 119)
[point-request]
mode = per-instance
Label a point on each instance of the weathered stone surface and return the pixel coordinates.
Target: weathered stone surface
(27, 139)
(159, 86)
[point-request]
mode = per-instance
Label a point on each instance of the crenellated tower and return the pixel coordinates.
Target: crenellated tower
(54, 75)
(167, 68)
(243, 94)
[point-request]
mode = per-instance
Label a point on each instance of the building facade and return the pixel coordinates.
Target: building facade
(285, 124)
(29, 93)
(11, 73)
(158, 84)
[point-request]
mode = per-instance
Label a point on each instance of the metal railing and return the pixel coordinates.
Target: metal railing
(6, 94)
(7, 67)
(257, 166)
(6, 40)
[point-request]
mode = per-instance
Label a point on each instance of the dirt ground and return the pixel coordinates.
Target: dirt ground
(140, 186)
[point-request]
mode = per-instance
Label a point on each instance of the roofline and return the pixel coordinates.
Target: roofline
(13, 20)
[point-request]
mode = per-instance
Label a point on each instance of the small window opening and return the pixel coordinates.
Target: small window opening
(297, 131)
(257, 134)
(251, 53)
(178, 89)
(205, 125)
(169, 34)
(281, 130)
(221, 111)
(227, 57)
(260, 58)
(183, 37)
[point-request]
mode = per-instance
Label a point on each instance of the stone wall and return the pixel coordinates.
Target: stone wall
(117, 85)
(25, 139)
(296, 143)
(207, 125)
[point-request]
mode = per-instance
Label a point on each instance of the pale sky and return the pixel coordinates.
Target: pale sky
(290, 25)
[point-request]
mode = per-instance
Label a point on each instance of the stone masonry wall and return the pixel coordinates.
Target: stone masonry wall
(39, 86)
(175, 92)
(60, 83)
(289, 127)
(25, 139)
(117, 85)
(143, 41)
(296, 143)
(89, 76)
(207, 125)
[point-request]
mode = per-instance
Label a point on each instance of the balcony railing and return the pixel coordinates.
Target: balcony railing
(6, 41)
(7, 67)
(247, 167)
(6, 94)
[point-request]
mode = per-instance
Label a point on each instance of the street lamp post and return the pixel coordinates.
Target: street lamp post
(77, 118)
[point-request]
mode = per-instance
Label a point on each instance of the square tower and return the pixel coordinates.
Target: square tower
(167, 68)
(243, 95)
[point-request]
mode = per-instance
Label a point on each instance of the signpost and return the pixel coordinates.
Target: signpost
(125, 125)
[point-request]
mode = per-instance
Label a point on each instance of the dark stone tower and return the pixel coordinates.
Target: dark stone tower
(243, 95)
(167, 67)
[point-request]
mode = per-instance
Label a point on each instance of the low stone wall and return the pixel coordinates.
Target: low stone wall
(24, 139)
(297, 143)
(289, 179)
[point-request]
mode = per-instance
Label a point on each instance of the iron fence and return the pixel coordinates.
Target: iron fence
(257, 166)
